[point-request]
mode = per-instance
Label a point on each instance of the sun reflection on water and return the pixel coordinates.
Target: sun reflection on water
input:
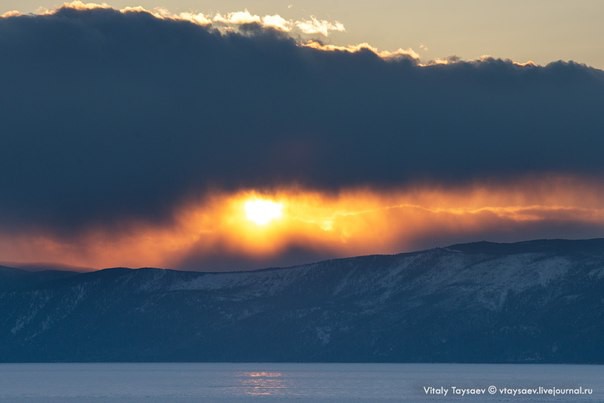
(263, 383)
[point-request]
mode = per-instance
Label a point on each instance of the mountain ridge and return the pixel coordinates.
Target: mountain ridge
(458, 247)
(538, 301)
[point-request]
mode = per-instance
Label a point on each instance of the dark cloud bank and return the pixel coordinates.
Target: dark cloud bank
(105, 115)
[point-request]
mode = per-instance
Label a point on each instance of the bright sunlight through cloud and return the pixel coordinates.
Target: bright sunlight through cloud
(261, 211)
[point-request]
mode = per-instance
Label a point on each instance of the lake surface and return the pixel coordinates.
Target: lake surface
(297, 382)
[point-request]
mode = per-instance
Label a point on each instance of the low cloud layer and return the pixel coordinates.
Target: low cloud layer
(223, 232)
(107, 116)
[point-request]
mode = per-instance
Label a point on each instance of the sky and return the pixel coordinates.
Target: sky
(227, 140)
(538, 30)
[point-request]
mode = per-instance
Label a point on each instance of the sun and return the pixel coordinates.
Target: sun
(261, 211)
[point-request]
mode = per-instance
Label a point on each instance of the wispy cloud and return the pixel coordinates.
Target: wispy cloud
(228, 21)
(385, 54)
(316, 26)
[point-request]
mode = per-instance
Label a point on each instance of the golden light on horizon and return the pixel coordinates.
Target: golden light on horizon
(264, 225)
(262, 211)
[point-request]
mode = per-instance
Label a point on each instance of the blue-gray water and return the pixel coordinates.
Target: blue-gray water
(153, 383)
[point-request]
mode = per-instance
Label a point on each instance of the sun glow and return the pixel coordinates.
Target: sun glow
(263, 226)
(261, 211)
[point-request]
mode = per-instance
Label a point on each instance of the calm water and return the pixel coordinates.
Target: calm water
(290, 382)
